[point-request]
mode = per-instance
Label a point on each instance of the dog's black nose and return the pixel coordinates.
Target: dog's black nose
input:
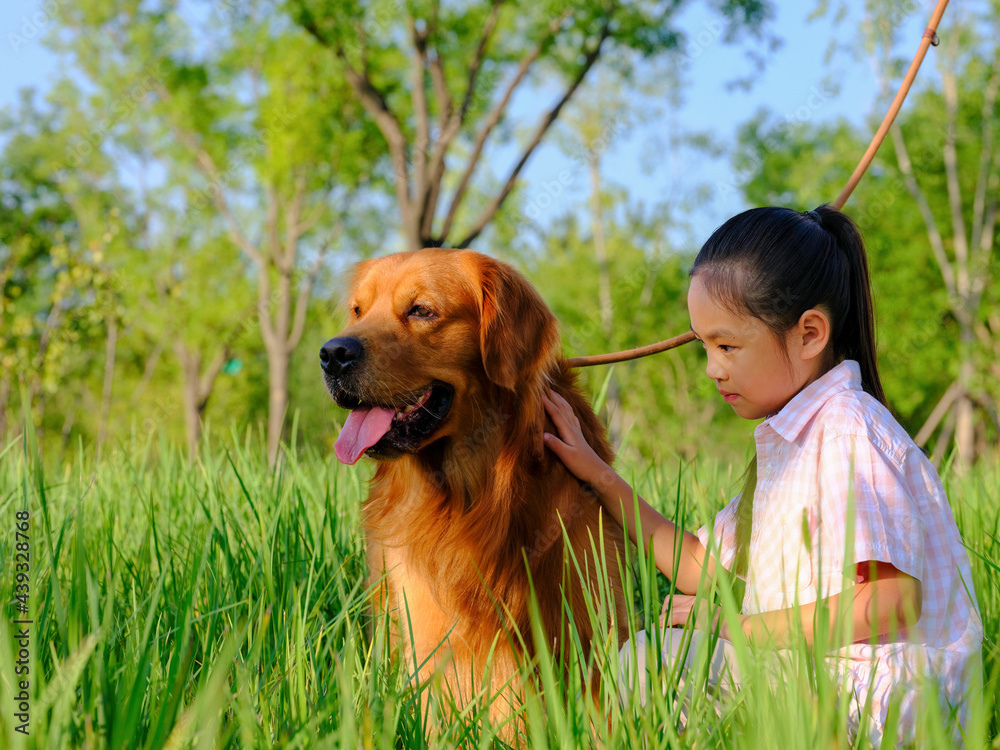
(338, 353)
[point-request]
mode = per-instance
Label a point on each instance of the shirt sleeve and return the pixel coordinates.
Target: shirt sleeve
(866, 510)
(721, 534)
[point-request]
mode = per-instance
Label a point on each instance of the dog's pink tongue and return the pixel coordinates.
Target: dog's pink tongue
(363, 428)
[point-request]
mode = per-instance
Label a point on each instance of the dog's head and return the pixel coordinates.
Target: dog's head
(432, 336)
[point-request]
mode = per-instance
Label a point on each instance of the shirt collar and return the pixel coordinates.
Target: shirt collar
(792, 418)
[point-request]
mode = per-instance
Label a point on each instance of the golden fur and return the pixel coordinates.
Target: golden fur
(450, 525)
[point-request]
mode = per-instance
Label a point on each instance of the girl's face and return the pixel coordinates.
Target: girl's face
(749, 366)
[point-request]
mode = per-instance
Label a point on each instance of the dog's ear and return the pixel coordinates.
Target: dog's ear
(518, 334)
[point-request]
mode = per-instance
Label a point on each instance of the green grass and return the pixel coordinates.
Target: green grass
(217, 603)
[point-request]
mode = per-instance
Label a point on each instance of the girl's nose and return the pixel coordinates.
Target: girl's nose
(713, 370)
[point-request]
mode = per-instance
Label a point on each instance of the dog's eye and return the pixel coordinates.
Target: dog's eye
(419, 311)
(357, 311)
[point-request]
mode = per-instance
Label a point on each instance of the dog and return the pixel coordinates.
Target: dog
(443, 364)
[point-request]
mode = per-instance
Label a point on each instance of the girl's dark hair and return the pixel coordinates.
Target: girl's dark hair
(773, 264)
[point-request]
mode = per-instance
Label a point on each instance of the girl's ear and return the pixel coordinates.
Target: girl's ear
(812, 333)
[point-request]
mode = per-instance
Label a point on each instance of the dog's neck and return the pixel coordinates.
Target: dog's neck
(485, 493)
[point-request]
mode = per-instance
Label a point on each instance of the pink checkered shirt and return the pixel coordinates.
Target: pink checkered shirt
(831, 453)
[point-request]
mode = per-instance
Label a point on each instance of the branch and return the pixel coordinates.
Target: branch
(944, 438)
(477, 61)
(422, 124)
(445, 102)
(983, 253)
(491, 122)
(376, 105)
(547, 121)
(211, 170)
(208, 378)
(151, 363)
(959, 238)
(933, 234)
(302, 299)
(293, 229)
(452, 123)
(937, 413)
(219, 196)
(315, 216)
(986, 155)
(435, 172)
(272, 224)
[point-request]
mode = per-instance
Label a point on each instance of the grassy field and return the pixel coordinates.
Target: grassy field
(217, 603)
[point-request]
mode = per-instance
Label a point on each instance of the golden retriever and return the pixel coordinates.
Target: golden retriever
(443, 364)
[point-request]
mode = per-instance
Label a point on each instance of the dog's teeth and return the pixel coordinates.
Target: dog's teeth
(406, 411)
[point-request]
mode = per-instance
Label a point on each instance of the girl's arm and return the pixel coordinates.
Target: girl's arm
(617, 498)
(882, 602)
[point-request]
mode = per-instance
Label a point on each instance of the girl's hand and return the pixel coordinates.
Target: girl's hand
(683, 609)
(571, 446)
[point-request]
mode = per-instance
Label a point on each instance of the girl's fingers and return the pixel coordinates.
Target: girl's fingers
(553, 410)
(556, 413)
(556, 445)
(565, 408)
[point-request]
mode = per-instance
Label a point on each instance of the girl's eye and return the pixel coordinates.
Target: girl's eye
(725, 347)
(419, 311)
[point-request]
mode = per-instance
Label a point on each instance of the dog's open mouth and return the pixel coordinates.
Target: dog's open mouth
(386, 431)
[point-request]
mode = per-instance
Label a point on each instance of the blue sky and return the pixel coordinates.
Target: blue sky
(795, 84)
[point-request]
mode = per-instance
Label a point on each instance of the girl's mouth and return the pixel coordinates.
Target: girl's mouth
(730, 397)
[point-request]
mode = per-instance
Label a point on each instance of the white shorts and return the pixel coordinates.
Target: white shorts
(722, 675)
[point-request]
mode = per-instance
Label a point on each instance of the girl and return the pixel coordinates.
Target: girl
(842, 522)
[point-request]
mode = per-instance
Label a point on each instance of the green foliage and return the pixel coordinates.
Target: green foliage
(432, 76)
(217, 602)
(666, 401)
(802, 165)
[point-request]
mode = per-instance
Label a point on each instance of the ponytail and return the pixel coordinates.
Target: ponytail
(856, 337)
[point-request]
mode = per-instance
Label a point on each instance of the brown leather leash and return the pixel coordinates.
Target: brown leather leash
(929, 38)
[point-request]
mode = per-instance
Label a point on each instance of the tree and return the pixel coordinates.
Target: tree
(59, 300)
(439, 82)
(964, 115)
(256, 128)
(927, 209)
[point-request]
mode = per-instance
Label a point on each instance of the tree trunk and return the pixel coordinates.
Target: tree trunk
(67, 427)
(944, 440)
(190, 370)
(196, 389)
(110, 348)
(277, 360)
(965, 430)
